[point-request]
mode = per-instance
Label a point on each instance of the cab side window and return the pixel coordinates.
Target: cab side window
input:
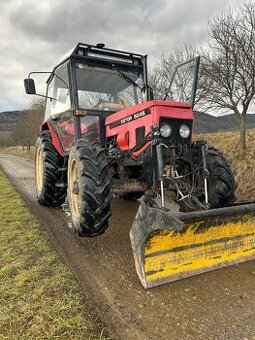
(58, 89)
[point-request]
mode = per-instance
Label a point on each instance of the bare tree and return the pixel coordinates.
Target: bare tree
(228, 70)
(28, 126)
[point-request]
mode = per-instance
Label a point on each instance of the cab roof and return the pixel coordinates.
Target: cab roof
(99, 52)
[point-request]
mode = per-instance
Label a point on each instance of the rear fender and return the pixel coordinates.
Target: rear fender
(54, 136)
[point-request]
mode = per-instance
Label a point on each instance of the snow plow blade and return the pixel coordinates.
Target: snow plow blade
(168, 248)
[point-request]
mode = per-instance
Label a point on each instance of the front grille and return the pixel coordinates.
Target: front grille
(140, 134)
(175, 139)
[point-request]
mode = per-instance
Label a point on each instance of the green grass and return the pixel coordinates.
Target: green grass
(39, 298)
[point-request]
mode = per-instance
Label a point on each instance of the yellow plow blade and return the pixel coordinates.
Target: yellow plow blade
(168, 248)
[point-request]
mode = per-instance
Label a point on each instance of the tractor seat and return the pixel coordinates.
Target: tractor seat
(110, 106)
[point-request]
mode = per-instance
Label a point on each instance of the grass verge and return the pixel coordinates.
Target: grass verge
(39, 298)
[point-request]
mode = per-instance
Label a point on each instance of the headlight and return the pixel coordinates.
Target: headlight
(165, 130)
(184, 131)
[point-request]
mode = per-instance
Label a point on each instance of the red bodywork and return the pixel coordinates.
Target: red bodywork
(124, 123)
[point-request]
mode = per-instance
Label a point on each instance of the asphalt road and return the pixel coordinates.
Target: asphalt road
(215, 305)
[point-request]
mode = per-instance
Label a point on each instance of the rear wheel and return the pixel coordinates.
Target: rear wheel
(89, 192)
(47, 172)
(221, 184)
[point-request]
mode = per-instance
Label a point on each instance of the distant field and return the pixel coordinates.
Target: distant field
(20, 151)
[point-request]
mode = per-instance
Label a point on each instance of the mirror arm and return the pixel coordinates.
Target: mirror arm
(37, 72)
(43, 72)
(41, 95)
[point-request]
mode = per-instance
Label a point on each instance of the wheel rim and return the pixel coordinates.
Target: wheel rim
(75, 205)
(39, 169)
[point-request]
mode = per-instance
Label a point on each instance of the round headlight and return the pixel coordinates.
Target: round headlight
(184, 131)
(165, 130)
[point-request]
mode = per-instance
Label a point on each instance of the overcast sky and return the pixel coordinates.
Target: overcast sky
(35, 34)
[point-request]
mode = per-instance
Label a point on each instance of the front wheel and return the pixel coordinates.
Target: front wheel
(221, 184)
(89, 192)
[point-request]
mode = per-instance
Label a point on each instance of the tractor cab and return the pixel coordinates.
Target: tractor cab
(88, 84)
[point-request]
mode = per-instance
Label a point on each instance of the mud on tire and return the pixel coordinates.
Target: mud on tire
(47, 164)
(89, 193)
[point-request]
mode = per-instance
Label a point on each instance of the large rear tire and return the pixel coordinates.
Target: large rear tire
(89, 193)
(47, 172)
(221, 184)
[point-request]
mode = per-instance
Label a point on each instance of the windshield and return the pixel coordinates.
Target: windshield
(107, 89)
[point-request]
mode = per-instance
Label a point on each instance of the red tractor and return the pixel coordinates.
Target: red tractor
(103, 133)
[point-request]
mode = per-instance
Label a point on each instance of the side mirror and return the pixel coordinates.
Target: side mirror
(29, 86)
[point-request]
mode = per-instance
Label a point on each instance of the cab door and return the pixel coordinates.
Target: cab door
(58, 106)
(183, 84)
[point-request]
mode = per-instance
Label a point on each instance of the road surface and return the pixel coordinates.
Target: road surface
(215, 305)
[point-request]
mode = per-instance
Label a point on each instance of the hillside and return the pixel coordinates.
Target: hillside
(8, 120)
(205, 123)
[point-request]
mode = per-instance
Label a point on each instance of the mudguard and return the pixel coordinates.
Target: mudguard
(168, 248)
